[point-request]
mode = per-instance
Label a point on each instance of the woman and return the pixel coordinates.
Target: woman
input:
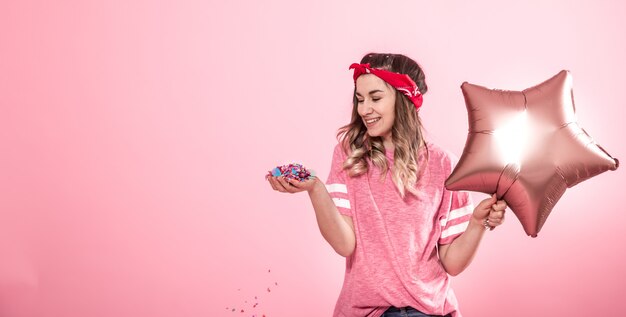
(384, 206)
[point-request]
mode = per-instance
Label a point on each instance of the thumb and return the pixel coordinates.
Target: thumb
(487, 203)
(493, 198)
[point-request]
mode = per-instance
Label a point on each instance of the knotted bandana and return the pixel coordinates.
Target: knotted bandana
(402, 82)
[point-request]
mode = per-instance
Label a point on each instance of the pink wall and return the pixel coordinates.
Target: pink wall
(135, 136)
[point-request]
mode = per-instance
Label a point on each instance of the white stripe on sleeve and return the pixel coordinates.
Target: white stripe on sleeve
(460, 212)
(457, 213)
(337, 188)
(454, 229)
(340, 202)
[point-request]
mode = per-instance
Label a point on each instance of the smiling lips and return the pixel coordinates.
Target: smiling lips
(371, 121)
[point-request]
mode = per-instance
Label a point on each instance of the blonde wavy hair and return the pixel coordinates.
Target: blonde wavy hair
(406, 133)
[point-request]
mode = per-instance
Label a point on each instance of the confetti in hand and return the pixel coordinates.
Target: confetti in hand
(292, 171)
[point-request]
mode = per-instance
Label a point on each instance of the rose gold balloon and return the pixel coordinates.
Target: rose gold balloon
(526, 147)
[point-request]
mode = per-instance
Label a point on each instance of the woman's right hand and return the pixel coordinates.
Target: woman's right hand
(284, 185)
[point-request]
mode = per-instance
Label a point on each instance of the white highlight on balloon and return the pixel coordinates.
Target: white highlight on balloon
(511, 138)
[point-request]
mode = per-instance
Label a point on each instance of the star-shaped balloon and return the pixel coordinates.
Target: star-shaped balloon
(526, 147)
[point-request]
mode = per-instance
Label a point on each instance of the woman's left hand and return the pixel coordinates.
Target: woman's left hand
(490, 212)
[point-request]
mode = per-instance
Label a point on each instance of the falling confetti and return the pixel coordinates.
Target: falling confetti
(251, 305)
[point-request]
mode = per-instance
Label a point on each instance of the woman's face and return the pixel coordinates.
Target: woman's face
(376, 105)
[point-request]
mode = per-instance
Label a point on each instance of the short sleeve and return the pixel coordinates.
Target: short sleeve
(336, 184)
(456, 215)
(455, 210)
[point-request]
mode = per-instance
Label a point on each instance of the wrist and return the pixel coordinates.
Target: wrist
(316, 187)
(478, 223)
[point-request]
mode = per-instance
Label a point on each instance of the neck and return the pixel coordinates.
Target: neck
(388, 144)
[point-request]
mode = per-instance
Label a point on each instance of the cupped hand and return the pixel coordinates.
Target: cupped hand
(285, 185)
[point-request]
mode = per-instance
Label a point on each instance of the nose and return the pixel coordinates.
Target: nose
(366, 107)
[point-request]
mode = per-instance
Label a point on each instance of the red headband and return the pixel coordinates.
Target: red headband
(401, 82)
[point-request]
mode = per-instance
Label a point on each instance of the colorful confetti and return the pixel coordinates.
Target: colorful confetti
(252, 306)
(291, 171)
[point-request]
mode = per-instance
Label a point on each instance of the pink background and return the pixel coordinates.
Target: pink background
(135, 136)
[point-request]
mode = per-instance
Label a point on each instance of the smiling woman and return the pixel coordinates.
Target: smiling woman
(376, 107)
(391, 96)
(384, 205)
(131, 131)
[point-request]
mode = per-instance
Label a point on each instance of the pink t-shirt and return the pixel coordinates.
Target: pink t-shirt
(396, 262)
